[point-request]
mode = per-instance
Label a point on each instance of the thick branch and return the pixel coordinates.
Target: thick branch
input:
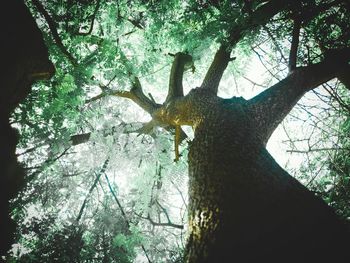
(270, 107)
(216, 70)
(258, 18)
(176, 75)
(80, 138)
(135, 94)
(53, 28)
(293, 54)
(222, 57)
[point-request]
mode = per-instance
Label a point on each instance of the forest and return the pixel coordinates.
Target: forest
(175, 131)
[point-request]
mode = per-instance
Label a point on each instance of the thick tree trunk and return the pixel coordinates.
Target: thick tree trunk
(243, 207)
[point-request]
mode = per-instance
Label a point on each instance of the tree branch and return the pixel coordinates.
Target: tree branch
(258, 18)
(216, 70)
(313, 150)
(47, 163)
(176, 75)
(92, 20)
(308, 14)
(80, 138)
(293, 54)
(53, 28)
(239, 29)
(271, 106)
(154, 223)
(275, 43)
(87, 197)
(135, 94)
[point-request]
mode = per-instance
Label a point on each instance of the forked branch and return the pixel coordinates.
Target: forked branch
(238, 30)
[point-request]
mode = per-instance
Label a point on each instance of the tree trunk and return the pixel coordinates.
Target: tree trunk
(24, 59)
(243, 207)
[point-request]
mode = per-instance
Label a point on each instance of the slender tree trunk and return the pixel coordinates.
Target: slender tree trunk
(243, 207)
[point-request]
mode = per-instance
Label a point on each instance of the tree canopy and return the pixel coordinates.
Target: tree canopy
(107, 174)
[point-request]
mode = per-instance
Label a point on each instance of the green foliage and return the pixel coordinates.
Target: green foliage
(134, 38)
(127, 243)
(338, 195)
(327, 165)
(50, 111)
(332, 28)
(51, 244)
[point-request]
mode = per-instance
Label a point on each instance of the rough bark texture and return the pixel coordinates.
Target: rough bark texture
(243, 207)
(24, 60)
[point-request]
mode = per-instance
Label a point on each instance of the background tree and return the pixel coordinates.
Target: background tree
(76, 134)
(22, 64)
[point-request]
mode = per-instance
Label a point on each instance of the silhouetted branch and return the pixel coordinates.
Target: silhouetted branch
(337, 98)
(46, 164)
(80, 138)
(344, 77)
(154, 223)
(293, 54)
(92, 20)
(275, 43)
(314, 150)
(306, 15)
(258, 18)
(53, 28)
(135, 23)
(87, 197)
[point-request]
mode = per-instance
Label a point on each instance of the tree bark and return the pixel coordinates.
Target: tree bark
(271, 106)
(243, 207)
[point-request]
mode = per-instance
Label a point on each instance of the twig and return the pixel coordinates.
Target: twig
(92, 20)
